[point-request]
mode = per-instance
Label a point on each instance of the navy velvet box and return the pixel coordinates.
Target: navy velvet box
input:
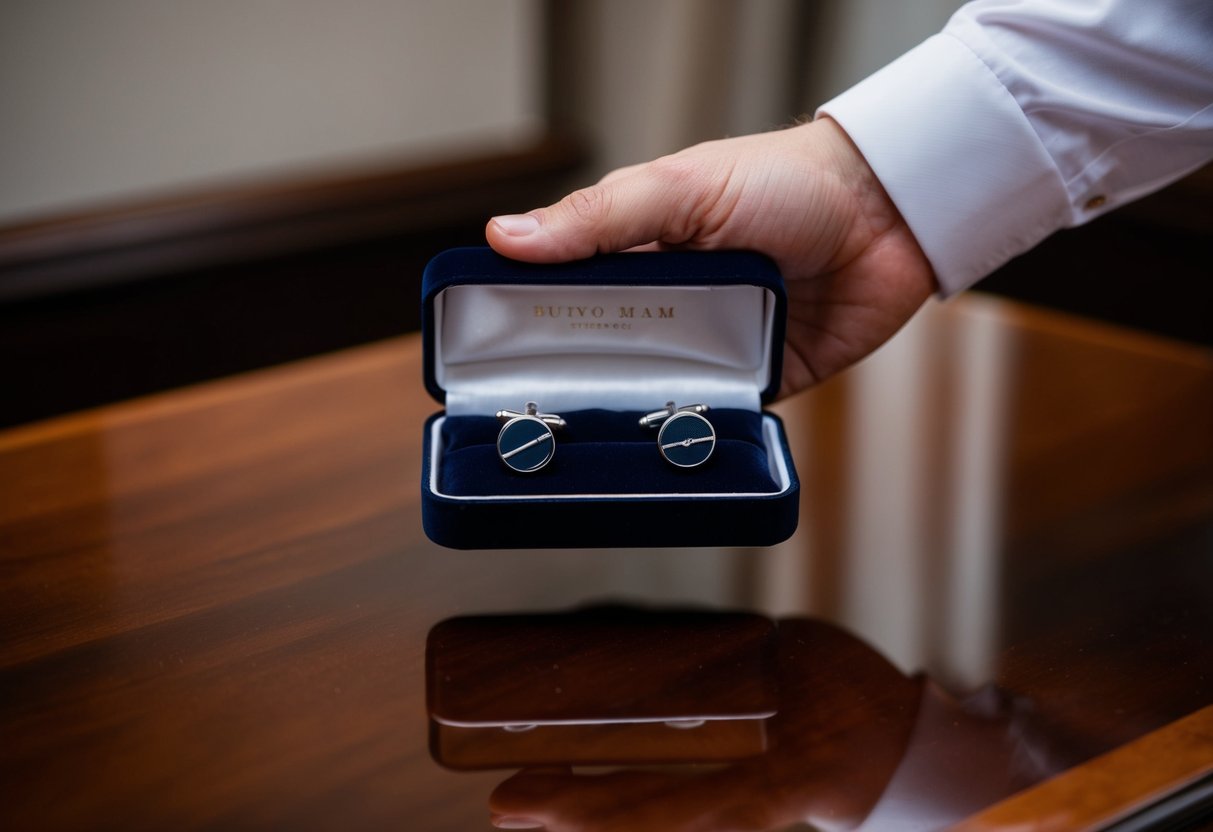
(601, 342)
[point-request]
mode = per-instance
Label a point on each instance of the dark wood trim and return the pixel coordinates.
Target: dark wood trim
(1145, 265)
(242, 222)
(1187, 205)
(129, 299)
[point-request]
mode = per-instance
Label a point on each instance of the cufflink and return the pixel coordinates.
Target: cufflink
(526, 442)
(686, 438)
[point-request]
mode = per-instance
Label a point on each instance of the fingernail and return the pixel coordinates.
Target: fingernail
(516, 823)
(517, 225)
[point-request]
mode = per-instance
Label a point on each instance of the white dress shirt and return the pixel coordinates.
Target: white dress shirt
(1026, 116)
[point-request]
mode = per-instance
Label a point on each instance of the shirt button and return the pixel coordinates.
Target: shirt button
(1095, 202)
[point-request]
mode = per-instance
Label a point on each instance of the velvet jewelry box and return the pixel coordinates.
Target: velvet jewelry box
(602, 342)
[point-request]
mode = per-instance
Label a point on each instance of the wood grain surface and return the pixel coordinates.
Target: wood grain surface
(216, 600)
(1111, 787)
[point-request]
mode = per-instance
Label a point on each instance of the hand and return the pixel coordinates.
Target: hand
(844, 721)
(803, 196)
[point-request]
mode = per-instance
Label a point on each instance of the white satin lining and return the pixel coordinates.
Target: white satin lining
(777, 462)
(618, 347)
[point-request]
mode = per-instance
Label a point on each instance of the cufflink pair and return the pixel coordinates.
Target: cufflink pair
(527, 441)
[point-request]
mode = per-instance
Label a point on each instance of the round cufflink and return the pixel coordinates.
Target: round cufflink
(526, 442)
(686, 438)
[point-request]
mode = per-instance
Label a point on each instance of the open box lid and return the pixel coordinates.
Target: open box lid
(622, 331)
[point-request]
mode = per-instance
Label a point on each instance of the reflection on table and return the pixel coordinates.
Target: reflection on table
(815, 725)
(216, 601)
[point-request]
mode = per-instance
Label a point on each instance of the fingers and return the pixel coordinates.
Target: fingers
(631, 800)
(663, 201)
(579, 803)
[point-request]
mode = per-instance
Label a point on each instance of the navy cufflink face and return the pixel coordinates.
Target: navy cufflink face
(686, 438)
(526, 442)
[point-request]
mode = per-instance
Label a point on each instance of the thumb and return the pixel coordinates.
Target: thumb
(648, 205)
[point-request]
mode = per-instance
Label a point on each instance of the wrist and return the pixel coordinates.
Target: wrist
(856, 175)
(877, 218)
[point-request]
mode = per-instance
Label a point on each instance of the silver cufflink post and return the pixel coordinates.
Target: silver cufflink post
(526, 442)
(652, 420)
(686, 438)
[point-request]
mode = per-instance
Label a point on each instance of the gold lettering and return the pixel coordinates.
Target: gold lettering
(626, 313)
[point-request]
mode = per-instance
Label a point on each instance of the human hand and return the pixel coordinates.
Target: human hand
(803, 196)
(631, 801)
(844, 721)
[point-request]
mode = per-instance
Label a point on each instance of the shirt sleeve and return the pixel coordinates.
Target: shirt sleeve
(1026, 116)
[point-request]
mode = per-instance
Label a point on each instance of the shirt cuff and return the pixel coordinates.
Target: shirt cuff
(957, 156)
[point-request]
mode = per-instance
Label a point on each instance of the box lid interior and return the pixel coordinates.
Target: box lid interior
(622, 331)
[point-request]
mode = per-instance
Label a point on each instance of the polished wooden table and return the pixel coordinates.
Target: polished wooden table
(999, 607)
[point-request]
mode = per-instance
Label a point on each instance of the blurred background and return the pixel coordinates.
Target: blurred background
(194, 188)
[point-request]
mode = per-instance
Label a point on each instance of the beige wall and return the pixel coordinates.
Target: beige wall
(646, 77)
(854, 38)
(101, 99)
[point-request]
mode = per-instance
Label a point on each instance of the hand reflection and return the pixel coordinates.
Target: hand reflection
(856, 743)
(844, 721)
